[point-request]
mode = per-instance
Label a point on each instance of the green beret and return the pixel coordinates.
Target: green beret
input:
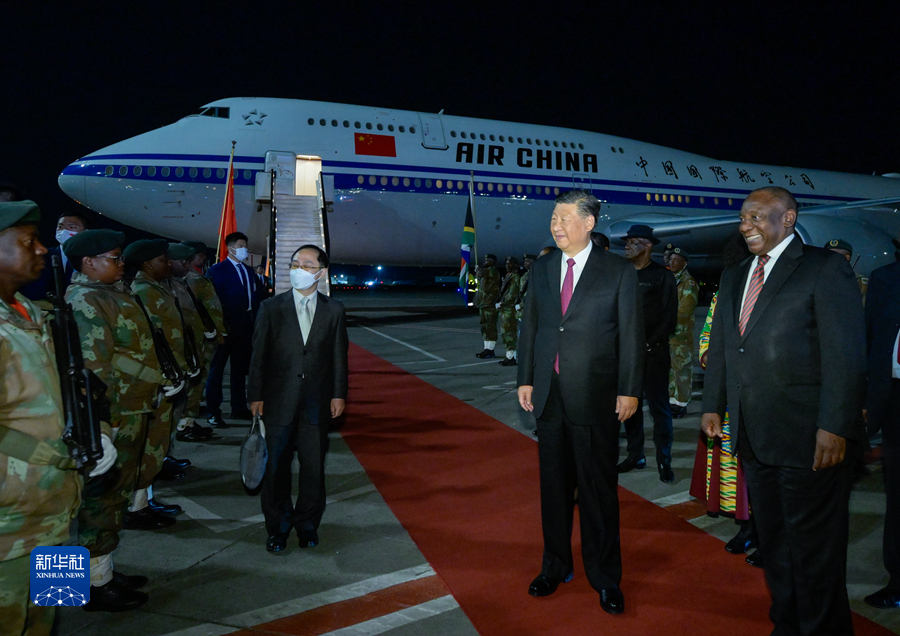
(199, 246)
(180, 251)
(144, 250)
(92, 242)
(680, 252)
(13, 213)
(838, 244)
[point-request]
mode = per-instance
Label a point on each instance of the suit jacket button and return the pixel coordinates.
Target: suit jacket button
(561, 329)
(741, 350)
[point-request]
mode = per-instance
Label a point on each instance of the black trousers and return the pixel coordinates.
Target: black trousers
(656, 392)
(890, 428)
(582, 456)
(310, 443)
(238, 347)
(802, 518)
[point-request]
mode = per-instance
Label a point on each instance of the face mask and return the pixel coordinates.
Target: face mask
(64, 235)
(241, 254)
(301, 279)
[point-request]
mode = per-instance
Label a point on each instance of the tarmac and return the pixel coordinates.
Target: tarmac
(210, 573)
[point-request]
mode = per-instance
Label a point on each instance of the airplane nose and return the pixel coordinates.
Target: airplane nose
(72, 184)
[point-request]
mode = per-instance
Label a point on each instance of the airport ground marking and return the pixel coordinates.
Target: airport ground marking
(405, 344)
(458, 366)
(394, 620)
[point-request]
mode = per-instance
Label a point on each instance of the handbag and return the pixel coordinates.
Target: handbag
(254, 455)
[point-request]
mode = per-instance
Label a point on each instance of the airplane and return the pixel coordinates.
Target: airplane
(400, 181)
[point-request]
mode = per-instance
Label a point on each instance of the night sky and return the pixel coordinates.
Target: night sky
(806, 87)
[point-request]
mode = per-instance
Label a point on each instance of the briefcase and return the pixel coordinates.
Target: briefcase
(254, 455)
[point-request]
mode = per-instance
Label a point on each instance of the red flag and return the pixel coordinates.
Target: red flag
(375, 145)
(228, 223)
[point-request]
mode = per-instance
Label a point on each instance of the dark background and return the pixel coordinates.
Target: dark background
(808, 86)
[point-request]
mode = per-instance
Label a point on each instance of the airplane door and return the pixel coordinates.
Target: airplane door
(432, 131)
(581, 182)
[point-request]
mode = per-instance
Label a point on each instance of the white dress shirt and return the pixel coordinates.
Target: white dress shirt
(774, 253)
(313, 299)
(580, 260)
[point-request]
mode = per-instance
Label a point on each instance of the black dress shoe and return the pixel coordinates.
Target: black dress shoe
(113, 597)
(308, 538)
(242, 414)
(630, 463)
(487, 353)
(678, 411)
(612, 600)
(180, 463)
(545, 586)
(276, 542)
(146, 519)
(216, 421)
(665, 474)
(170, 472)
(508, 362)
(744, 540)
(170, 510)
(884, 599)
(133, 582)
(755, 559)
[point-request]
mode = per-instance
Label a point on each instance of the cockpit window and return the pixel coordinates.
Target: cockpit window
(222, 112)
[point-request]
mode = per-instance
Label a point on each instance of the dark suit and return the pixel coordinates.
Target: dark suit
(883, 400)
(600, 342)
(296, 382)
(799, 367)
(239, 312)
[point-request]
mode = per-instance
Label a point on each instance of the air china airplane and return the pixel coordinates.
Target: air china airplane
(399, 182)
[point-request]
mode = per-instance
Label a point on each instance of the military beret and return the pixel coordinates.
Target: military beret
(180, 251)
(92, 242)
(491, 256)
(680, 252)
(144, 250)
(13, 213)
(199, 246)
(839, 244)
(531, 256)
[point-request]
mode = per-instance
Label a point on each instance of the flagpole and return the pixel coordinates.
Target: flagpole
(474, 221)
(225, 203)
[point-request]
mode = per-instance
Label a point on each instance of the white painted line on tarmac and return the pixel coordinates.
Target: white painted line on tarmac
(343, 593)
(406, 616)
(671, 500)
(347, 494)
(460, 366)
(705, 521)
(405, 344)
(204, 629)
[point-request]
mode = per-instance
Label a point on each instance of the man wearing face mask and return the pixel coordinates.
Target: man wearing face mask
(298, 382)
(239, 291)
(67, 226)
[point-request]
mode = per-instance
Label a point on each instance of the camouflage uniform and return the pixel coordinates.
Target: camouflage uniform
(485, 299)
(863, 283)
(160, 304)
(37, 500)
(681, 344)
(523, 291)
(509, 327)
(194, 389)
(117, 346)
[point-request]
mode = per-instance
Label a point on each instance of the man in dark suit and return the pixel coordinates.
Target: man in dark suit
(580, 364)
(67, 226)
(298, 380)
(883, 412)
(239, 291)
(787, 355)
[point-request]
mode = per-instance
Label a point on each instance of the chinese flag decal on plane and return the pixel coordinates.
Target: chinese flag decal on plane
(375, 145)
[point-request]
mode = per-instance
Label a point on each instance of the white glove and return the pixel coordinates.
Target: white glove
(173, 389)
(209, 335)
(518, 307)
(109, 457)
(497, 306)
(194, 373)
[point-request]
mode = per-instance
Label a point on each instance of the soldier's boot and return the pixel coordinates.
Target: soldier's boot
(488, 350)
(112, 593)
(510, 360)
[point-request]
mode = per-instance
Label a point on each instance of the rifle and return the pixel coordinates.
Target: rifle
(208, 324)
(191, 355)
(167, 362)
(82, 391)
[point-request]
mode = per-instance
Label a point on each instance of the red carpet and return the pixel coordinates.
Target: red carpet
(465, 487)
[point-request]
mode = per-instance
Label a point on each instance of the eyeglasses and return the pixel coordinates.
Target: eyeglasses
(117, 259)
(307, 266)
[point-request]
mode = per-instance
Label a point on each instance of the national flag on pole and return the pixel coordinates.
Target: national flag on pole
(468, 242)
(227, 223)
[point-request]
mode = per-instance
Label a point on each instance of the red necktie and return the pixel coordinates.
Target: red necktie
(565, 296)
(756, 283)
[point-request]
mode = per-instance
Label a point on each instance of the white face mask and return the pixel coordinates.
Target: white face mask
(64, 235)
(301, 279)
(241, 254)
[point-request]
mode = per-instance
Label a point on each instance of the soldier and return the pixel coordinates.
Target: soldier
(187, 429)
(486, 300)
(118, 347)
(844, 248)
(681, 344)
(157, 303)
(39, 493)
(527, 259)
(506, 305)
